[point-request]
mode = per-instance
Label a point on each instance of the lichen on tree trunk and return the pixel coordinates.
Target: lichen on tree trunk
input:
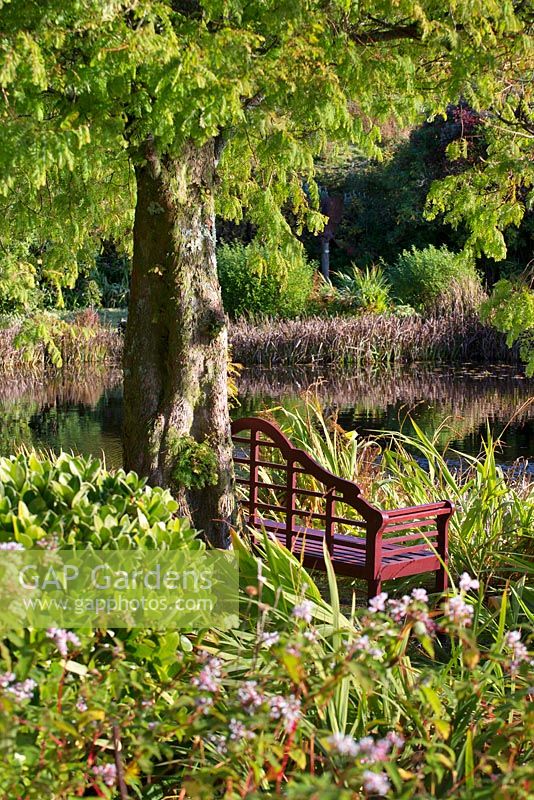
(175, 355)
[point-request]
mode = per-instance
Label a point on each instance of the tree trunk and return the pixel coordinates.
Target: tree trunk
(175, 355)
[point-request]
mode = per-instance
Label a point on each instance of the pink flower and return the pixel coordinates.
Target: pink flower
(62, 638)
(238, 731)
(343, 745)
(399, 608)
(378, 603)
(395, 739)
(458, 611)
(303, 611)
(363, 645)
(6, 678)
(209, 678)
(513, 642)
(420, 595)
(107, 772)
(249, 696)
(22, 690)
(270, 638)
(286, 708)
(467, 583)
(376, 782)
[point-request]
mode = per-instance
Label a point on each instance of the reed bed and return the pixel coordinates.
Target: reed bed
(84, 341)
(367, 339)
(341, 342)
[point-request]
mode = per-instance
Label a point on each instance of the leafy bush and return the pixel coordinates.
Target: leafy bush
(365, 289)
(48, 339)
(435, 280)
(257, 282)
(73, 501)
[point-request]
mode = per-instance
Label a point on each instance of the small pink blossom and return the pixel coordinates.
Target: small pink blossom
(209, 678)
(81, 705)
(249, 696)
(467, 583)
(378, 603)
(22, 690)
(239, 731)
(107, 773)
(62, 639)
(303, 611)
(363, 644)
(286, 708)
(270, 638)
(343, 745)
(6, 678)
(376, 782)
(11, 546)
(395, 739)
(399, 608)
(420, 595)
(458, 611)
(513, 642)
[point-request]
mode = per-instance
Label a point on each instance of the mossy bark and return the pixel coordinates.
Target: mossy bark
(175, 356)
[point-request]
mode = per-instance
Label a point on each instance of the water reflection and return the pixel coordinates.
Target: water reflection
(83, 412)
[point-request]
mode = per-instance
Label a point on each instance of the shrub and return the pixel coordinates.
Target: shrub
(367, 289)
(255, 282)
(435, 280)
(72, 500)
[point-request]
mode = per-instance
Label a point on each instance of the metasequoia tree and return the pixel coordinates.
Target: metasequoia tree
(156, 115)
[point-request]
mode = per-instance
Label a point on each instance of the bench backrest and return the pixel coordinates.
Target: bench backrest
(282, 485)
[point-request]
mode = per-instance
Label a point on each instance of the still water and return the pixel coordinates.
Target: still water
(83, 412)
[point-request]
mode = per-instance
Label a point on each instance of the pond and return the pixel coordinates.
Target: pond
(83, 412)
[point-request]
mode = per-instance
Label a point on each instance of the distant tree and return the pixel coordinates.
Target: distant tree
(158, 113)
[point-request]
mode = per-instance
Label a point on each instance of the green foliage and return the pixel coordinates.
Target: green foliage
(429, 279)
(511, 310)
(48, 338)
(504, 178)
(257, 281)
(194, 464)
(18, 290)
(365, 289)
(72, 501)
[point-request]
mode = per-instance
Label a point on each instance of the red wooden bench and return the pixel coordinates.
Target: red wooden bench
(288, 494)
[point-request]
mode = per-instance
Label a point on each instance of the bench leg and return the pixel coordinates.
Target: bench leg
(374, 587)
(442, 580)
